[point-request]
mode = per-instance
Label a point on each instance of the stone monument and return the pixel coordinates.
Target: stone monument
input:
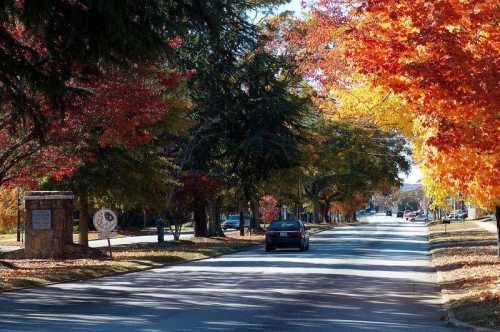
(49, 223)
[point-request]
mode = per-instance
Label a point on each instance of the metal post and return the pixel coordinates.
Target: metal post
(18, 215)
(110, 251)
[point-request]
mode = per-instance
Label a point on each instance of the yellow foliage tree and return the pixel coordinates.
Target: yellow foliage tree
(8, 209)
(369, 105)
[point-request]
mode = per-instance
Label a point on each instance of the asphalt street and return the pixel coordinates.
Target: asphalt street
(373, 277)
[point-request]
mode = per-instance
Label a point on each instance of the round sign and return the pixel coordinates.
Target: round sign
(105, 220)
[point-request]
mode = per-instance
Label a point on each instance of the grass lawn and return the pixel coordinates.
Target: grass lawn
(469, 272)
(16, 272)
(8, 239)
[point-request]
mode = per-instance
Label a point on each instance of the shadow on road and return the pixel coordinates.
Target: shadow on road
(366, 278)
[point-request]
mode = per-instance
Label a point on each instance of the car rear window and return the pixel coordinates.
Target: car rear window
(284, 225)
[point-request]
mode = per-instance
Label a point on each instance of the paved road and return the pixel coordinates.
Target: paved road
(372, 277)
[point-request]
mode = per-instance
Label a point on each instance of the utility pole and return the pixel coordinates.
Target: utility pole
(299, 192)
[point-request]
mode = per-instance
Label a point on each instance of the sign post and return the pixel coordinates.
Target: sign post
(105, 222)
(18, 215)
(446, 222)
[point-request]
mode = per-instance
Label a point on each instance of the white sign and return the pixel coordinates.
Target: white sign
(105, 221)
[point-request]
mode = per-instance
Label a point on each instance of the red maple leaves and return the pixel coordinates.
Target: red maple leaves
(119, 109)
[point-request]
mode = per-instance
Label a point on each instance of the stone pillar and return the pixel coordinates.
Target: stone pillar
(49, 223)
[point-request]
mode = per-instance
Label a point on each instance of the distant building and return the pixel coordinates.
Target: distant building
(473, 212)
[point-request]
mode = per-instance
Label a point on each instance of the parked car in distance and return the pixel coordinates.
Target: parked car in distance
(410, 215)
(287, 234)
(388, 213)
(400, 214)
(450, 216)
(456, 215)
(233, 222)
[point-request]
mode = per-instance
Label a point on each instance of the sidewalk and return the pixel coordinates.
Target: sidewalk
(136, 239)
(487, 226)
(8, 248)
(118, 241)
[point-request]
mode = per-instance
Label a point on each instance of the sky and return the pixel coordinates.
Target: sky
(415, 175)
(293, 5)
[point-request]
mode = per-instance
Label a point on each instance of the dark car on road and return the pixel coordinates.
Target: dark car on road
(400, 214)
(287, 234)
(388, 213)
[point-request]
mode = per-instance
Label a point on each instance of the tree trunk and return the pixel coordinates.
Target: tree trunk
(145, 217)
(497, 215)
(324, 212)
(176, 219)
(316, 212)
(214, 227)
(242, 223)
(254, 225)
(83, 224)
(200, 221)
(177, 231)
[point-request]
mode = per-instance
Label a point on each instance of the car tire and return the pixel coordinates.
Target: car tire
(302, 246)
(268, 248)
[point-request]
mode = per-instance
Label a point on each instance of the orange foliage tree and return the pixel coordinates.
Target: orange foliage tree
(441, 56)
